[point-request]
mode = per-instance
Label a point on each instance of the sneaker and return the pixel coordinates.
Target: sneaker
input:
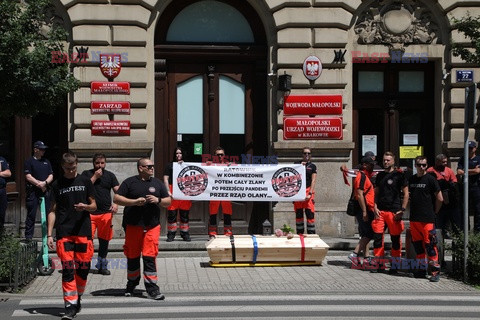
(104, 272)
(353, 257)
(129, 291)
(435, 276)
(185, 236)
(170, 236)
(70, 313)
(156, 295)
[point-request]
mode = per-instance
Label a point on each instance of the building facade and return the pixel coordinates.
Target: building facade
(208, 73)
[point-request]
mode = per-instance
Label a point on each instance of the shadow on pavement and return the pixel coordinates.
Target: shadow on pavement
(46, 311)
(116, 292)
(342, 263)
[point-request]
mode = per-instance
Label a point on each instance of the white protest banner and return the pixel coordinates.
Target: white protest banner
(238, 182)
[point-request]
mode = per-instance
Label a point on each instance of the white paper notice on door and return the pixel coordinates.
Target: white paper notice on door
(410, 139)
(369, 143)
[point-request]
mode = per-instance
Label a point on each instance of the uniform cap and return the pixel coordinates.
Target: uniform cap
(472, 144)
(40, 145)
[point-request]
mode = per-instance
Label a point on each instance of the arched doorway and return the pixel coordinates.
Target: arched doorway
(211, 89)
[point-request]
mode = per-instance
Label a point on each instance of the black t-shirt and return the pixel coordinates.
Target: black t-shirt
(169, 172)
(66, 193)
(473, 179)
(422, 197)
(149, 214)
(310, 169)
(103, 187)
(388, 194)
(40, 169)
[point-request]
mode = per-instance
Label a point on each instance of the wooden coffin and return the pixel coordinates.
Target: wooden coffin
(307, 249)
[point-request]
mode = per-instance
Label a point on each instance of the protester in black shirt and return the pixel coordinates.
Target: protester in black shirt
(73, 198)
(389, 207)
(104, 182)
(142, 195)
(424, 192)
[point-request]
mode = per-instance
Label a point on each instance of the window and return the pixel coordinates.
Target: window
(189, 106)
(210, 21)
(411, 81)
(232, 106)
(370, 81)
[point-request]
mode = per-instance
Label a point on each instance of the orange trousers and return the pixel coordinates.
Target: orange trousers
(75, 253)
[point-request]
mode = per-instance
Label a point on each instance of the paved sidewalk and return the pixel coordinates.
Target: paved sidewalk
(184, 268)
(192, 274)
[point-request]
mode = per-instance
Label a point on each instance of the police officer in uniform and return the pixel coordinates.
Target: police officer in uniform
(39, 175)
(4, 173)
(473, 182)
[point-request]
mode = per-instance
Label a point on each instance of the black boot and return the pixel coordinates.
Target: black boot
(185, 236)
(170, 236)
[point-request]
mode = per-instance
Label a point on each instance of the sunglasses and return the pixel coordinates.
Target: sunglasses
(148, 166)
(423, 165)
(306, 153)
(220, 154)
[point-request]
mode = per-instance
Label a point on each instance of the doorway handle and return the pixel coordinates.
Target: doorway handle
(211, 76)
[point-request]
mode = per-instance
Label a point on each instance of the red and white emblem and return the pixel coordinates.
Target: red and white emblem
(110, 65)
(312, 68)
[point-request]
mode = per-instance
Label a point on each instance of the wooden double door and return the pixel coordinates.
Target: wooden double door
(394, 109)
(207, 104)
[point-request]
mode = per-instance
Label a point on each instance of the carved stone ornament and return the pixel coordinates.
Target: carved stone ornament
(396, 24)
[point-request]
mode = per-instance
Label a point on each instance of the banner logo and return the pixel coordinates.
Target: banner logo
(192, 181)
(286, 182)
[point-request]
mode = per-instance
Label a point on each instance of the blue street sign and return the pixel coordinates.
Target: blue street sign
(464, 75)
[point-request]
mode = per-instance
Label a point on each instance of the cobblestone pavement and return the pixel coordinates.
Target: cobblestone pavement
(195, 275)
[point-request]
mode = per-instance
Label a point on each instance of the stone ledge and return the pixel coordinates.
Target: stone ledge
(312, 17)
(91, 35)
(109, 14)
(350, 5)
(123, 148)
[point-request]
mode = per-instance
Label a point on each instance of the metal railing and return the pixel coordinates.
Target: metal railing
(24, 268)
